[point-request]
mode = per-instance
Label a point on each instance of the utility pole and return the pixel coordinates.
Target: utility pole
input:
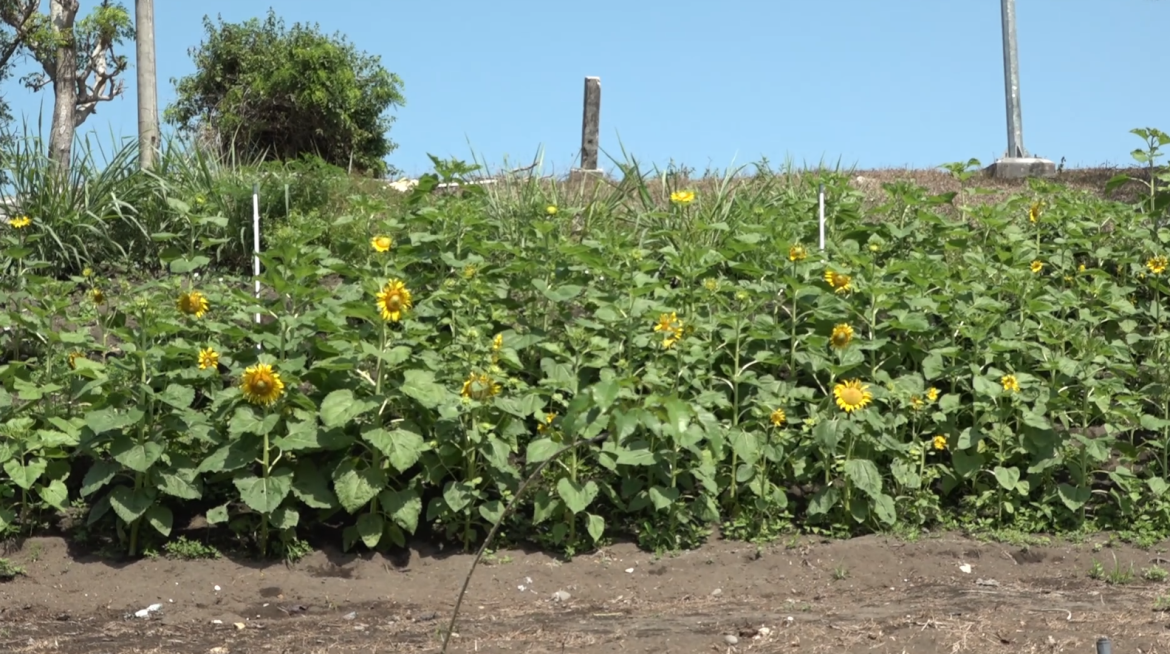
(148, 128)
(1016, 162)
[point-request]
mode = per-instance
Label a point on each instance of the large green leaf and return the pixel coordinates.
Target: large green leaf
(265, 494)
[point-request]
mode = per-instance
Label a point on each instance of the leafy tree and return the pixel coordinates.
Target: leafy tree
(76, 57)
(261, 90)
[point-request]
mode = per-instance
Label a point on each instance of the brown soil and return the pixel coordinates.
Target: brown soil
(871, 594)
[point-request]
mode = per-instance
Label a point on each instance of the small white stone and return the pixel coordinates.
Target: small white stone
(731, 640)
(561, 596)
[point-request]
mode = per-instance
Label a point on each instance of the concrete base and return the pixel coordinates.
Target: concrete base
(581, 174)
(1020, 168)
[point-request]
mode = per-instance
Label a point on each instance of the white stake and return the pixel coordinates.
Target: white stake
(256, 242)
(820, 213)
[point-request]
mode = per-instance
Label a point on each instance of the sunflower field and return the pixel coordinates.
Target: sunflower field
(943, 362)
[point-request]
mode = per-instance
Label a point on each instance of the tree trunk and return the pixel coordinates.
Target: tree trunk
(148, 129)
(61, 15)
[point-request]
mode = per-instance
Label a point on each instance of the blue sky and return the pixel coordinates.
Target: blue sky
(889, 83)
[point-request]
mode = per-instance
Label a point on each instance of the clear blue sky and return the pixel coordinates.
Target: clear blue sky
(712, 84)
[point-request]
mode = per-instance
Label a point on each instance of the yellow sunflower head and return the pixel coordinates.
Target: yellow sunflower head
(19, 222)
(1037, 266)
(682, 197)
(261, 384)
(797, 253)
(469, 271)
(1034, 212)
(1010, 383)
(551, 210)
(852, 395)
(497, 342)
(394, 300)
(479, 386)
(208, 358)
(381, 243)
(193, 303)
(939, 442)
(711, 284)
(73, 357)
(916, 402)
(545, 424)
(932, 394)
(842, 336)
(1157, 265)
(778, 418)
(97, 296)
(838, 282)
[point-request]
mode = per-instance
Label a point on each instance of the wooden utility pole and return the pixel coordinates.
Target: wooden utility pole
(148, 128)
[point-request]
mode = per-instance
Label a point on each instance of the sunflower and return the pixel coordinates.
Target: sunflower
(1037, 266)
(97, 296)
(479, 386)
(852, 395)
(838, 282)
(916, 402)
(381, 243)
(932, 394)
(939, 442)
(394, 300)
(261, 384)
(19, 222)
(711, 284)
(1010, 383)
(778, 418)
(545, 424)
(497, 342)
(797, 253)
(208, 358)
(1034, 212)
(73, 357)
(469, 271)
(671, 327)
(193, 304)
(1157, 265)
(842, 336)
(682, 197)
(551, 210)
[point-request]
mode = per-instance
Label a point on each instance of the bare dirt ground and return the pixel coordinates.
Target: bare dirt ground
(870, 594)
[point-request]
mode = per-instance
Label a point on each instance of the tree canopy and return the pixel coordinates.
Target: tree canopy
(260, 89)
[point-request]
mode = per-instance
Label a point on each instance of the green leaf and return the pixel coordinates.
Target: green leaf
(541, 449)
(178, 396)
(1157, 486)
(984, 386)
(25, 475)
(55, 494)
(355, 488)
(135, 456)
(1074, 497)
(403, 507)
(577, 496)
(401, 446)
(311, 487)
(302, 435)
(561, 293)
(492, 511)
(232, 456)
(339, 408)
(864, 475)
(421, 387)
(130, 504)
(605, 392)
(217, 515)
(264, 495)
(967, 465)
(933, 366)
(179, 484)
(823, 501)
(98, 475)
(369, 527)
(883, 508)
(246, 421)
(595, 525)
(285, 517)
(160, 518)
(745, 444)
(103, 420)
(639, 456)
(458, 495)
(1008, 478)
(678, 417)
(662, 498)
(186, 265)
